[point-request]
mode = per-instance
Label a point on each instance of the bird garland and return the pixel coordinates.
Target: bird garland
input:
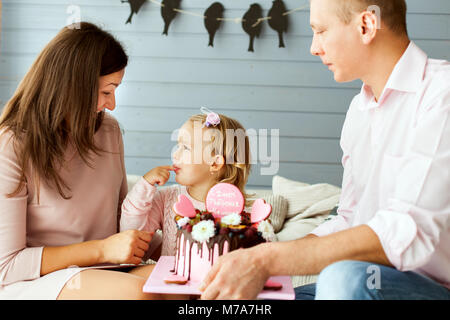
(135, 6)
(250, 23)
(213, 17)
(279, 22)
(212, 20)
(168, 12)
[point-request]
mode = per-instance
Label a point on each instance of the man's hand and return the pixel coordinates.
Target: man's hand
(237, 275)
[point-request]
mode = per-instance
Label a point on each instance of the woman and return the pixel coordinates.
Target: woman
(62, 177)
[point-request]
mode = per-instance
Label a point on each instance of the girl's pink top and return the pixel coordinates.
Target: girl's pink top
(26, 226)
(150, 209)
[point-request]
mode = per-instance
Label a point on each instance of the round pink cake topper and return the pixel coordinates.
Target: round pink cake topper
(224, 199)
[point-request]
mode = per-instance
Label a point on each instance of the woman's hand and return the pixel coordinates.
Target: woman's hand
(158, 175)
(128, 246)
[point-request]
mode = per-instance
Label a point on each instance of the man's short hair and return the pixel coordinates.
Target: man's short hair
(393, 12)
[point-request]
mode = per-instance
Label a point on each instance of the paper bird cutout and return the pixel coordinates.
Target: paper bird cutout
(135, 6)
(168, 13)
(251, 25)
(214, 12)
(278, 21)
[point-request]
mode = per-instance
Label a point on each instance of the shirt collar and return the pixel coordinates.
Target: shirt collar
(407, 76)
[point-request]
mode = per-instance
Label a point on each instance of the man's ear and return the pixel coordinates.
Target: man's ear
(217, 164)
(369, 23)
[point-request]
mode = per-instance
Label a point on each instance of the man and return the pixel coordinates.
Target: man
(392, 232)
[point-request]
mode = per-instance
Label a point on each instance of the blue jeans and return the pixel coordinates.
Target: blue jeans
(355, 280)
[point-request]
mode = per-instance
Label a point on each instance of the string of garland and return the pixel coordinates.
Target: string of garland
(213, 17)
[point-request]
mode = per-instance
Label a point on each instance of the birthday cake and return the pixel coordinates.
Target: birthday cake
(203, 236)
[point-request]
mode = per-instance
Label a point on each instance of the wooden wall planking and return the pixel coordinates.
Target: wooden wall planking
(170, 78)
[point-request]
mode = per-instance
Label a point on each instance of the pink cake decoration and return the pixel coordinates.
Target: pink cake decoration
(184, 207)
(176, 279)
(260, 211)
(224, 199)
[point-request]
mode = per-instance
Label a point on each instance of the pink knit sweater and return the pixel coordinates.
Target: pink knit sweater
(27, 226)
(150, 209)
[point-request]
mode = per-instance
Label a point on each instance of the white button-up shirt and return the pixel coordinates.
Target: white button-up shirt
(396, 158)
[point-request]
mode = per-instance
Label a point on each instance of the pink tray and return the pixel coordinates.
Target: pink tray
(155, 283)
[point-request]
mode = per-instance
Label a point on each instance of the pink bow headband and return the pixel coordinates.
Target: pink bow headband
(212, 118)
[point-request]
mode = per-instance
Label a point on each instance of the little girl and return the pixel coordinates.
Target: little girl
(211, 148)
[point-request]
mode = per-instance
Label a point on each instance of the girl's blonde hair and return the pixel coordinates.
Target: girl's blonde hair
(237, 165)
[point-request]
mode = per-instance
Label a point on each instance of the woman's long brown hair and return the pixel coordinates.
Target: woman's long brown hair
(56, 102)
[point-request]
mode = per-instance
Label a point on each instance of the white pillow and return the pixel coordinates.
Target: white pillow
(298, 228)
(279, 211)
(306, 200)
(132, 179)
